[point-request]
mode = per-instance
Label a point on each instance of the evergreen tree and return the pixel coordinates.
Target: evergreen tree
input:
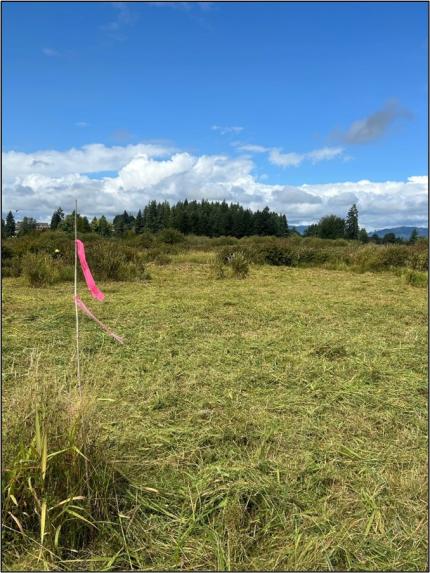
(375, 239)
(139, 225)
(151, 217)
(68, 224)
(312, 230)
(85, 226)
(3, 228)
(104, 227)
(331, 227)
(10, 225)
(363, 237)
(119, 224)
(57, 218)
(351, 224)
(389, 238)
(414, 237)
(94, 225)
(202, 218)
(28, 225)
(284, 231)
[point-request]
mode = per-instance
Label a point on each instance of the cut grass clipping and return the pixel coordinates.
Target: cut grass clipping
(272, 423)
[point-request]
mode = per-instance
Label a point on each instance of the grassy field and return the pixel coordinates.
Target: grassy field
(273, 423)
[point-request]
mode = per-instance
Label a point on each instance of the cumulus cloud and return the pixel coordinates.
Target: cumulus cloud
(36, 183)
(374, 126)
(87, 159)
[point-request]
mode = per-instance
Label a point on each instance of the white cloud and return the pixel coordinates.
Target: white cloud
(285, 159)
(294, 159)
(250, 148)
(39, 182)
(324, 154)
(291, 159)
(227, 129)
(88, 159)
(82, 124)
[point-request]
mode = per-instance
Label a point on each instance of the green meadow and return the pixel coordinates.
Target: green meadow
(278, 422)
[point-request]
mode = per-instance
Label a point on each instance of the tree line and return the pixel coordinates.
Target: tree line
(212, 219)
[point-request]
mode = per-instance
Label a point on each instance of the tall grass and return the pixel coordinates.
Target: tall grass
(58, 488)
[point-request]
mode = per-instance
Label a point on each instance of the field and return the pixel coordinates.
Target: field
(277, 422)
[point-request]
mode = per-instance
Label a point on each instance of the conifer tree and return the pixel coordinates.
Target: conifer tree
(57, 218)
(10, 225)
(351, 224)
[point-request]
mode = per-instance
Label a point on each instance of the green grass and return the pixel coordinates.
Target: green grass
(273, 423)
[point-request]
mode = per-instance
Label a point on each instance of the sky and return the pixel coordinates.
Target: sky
(304, 107)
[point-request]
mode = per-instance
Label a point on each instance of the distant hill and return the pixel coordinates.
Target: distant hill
(402, 232)
(300, 228)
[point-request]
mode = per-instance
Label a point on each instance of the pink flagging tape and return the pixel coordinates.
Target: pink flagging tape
(94, 290)
(87, 311)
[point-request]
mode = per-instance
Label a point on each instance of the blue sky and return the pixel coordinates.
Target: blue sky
(294, 97)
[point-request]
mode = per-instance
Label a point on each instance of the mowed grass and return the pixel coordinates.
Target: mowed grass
(277, 422)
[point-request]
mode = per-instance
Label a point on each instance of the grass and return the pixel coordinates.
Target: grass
(273, 423)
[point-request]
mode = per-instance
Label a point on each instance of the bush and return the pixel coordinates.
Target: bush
(217, 268)
(157, 256)
(113, 261)
(394, 256)
(146, 240)
(239, 265)
(171, 236)
(39, 270)
(11, 267)
(6, 252)
(419, 261)
(66, 272)
(279, 256)
(415, 278)
(311, 255)
(251, 254)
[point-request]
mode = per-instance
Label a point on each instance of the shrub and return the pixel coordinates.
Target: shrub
(250, 254)
(311, 255)
(365, 258)
(113, 261)
(6, 252)
(239, 265)
(277, 255)
(217, 268)
(39, 270)
(66, 272)
(11, 267)
(157, 256)
(171, 236)
(415, 278)
(394, 256)
(419, 261)
(146, 240)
